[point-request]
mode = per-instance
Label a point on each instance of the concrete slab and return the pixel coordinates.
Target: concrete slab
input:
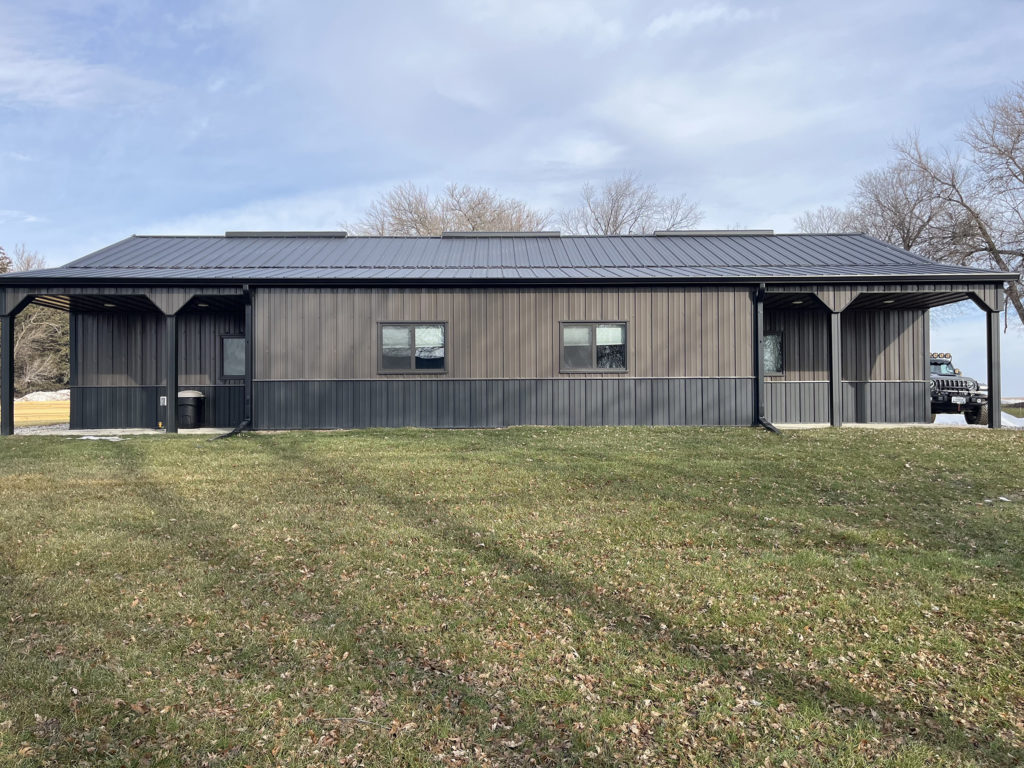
(62, 430)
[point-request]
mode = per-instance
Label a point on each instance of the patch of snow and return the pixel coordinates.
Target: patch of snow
(957, 420)
(111, 438)
(1012, 421)
(45, 397)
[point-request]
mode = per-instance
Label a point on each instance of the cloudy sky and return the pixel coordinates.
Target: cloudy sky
(146, 117)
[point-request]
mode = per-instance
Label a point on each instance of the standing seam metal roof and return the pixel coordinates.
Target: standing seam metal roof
(166, 258)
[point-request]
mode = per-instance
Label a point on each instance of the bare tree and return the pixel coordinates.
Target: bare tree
(983, 193)
(626, 206)
(410, 211)
(40, 334)
(828, 219)
(896, 204)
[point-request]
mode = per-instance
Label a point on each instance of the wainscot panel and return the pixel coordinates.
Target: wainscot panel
(138, 407)
(495, 403)
(893, 402)
(797, 402)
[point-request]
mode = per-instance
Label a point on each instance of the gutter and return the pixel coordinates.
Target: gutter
(987, 277)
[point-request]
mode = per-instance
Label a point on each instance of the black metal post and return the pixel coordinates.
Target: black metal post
(171, 350)
(835, 377)
(6, 374)
(995, 399)
(247, 412)
(73, 366)
(759, 414)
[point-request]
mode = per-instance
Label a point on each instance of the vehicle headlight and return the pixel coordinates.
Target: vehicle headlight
(972, 385)
(931, 384)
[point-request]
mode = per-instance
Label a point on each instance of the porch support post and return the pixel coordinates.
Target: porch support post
(6, 374)
(247, 407)
(835, 367)
(995, 410)
(171, 365)
(759, 414)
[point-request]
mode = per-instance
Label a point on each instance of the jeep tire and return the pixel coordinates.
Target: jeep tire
(977, 416)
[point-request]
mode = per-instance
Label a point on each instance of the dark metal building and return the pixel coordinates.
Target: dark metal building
(293, 330)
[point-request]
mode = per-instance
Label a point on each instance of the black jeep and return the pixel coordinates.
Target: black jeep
(953, 392)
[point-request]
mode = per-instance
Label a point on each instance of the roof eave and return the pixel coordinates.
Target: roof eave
(13, 280)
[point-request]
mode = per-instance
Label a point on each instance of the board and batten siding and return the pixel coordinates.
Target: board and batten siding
(318, 334)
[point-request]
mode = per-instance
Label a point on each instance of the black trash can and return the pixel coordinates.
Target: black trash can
(190, 408)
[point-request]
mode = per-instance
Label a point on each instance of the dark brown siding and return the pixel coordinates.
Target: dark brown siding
(126, 349)
(804, 343)
(511, 333)
(884, 345)
(883, 366)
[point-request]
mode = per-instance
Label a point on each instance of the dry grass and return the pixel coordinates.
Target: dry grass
(29, 414)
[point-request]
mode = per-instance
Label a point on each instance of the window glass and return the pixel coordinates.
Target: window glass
(412, 347)
(773, 353)
(576, 347)
(611, 346)
(593, 346)
(232, 357)
(429, 347)
(396, 348)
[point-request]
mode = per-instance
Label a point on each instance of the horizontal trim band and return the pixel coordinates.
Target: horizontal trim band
(567, 377)
(850, 381)
(161, 386)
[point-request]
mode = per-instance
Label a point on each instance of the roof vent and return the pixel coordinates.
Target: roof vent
(549, 233)
(329, 233)
(712, 232)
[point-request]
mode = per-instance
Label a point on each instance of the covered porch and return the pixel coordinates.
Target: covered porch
(160, 340)
(859, 353)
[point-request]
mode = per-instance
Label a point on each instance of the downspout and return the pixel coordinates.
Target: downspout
(246, 423)
(759, 359)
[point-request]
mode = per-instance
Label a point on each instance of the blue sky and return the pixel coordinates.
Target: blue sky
(145, 117)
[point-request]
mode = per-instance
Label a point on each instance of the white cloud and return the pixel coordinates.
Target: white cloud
(54, 81)
(545, 21)
(682, 22)
(325, 209)
(19, 217)
(583, 151)
(738, 107)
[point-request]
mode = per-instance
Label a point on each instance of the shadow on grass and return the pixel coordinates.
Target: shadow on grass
(465, 706)
(835, 700)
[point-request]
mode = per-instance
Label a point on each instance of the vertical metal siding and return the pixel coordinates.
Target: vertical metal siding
(498, 403)
(500, 333)
(126, 348)
(120, 369)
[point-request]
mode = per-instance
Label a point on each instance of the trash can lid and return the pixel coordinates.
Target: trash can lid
(190, 393)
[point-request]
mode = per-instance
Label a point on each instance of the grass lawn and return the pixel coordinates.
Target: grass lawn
(534, 595)
(1017, 409)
